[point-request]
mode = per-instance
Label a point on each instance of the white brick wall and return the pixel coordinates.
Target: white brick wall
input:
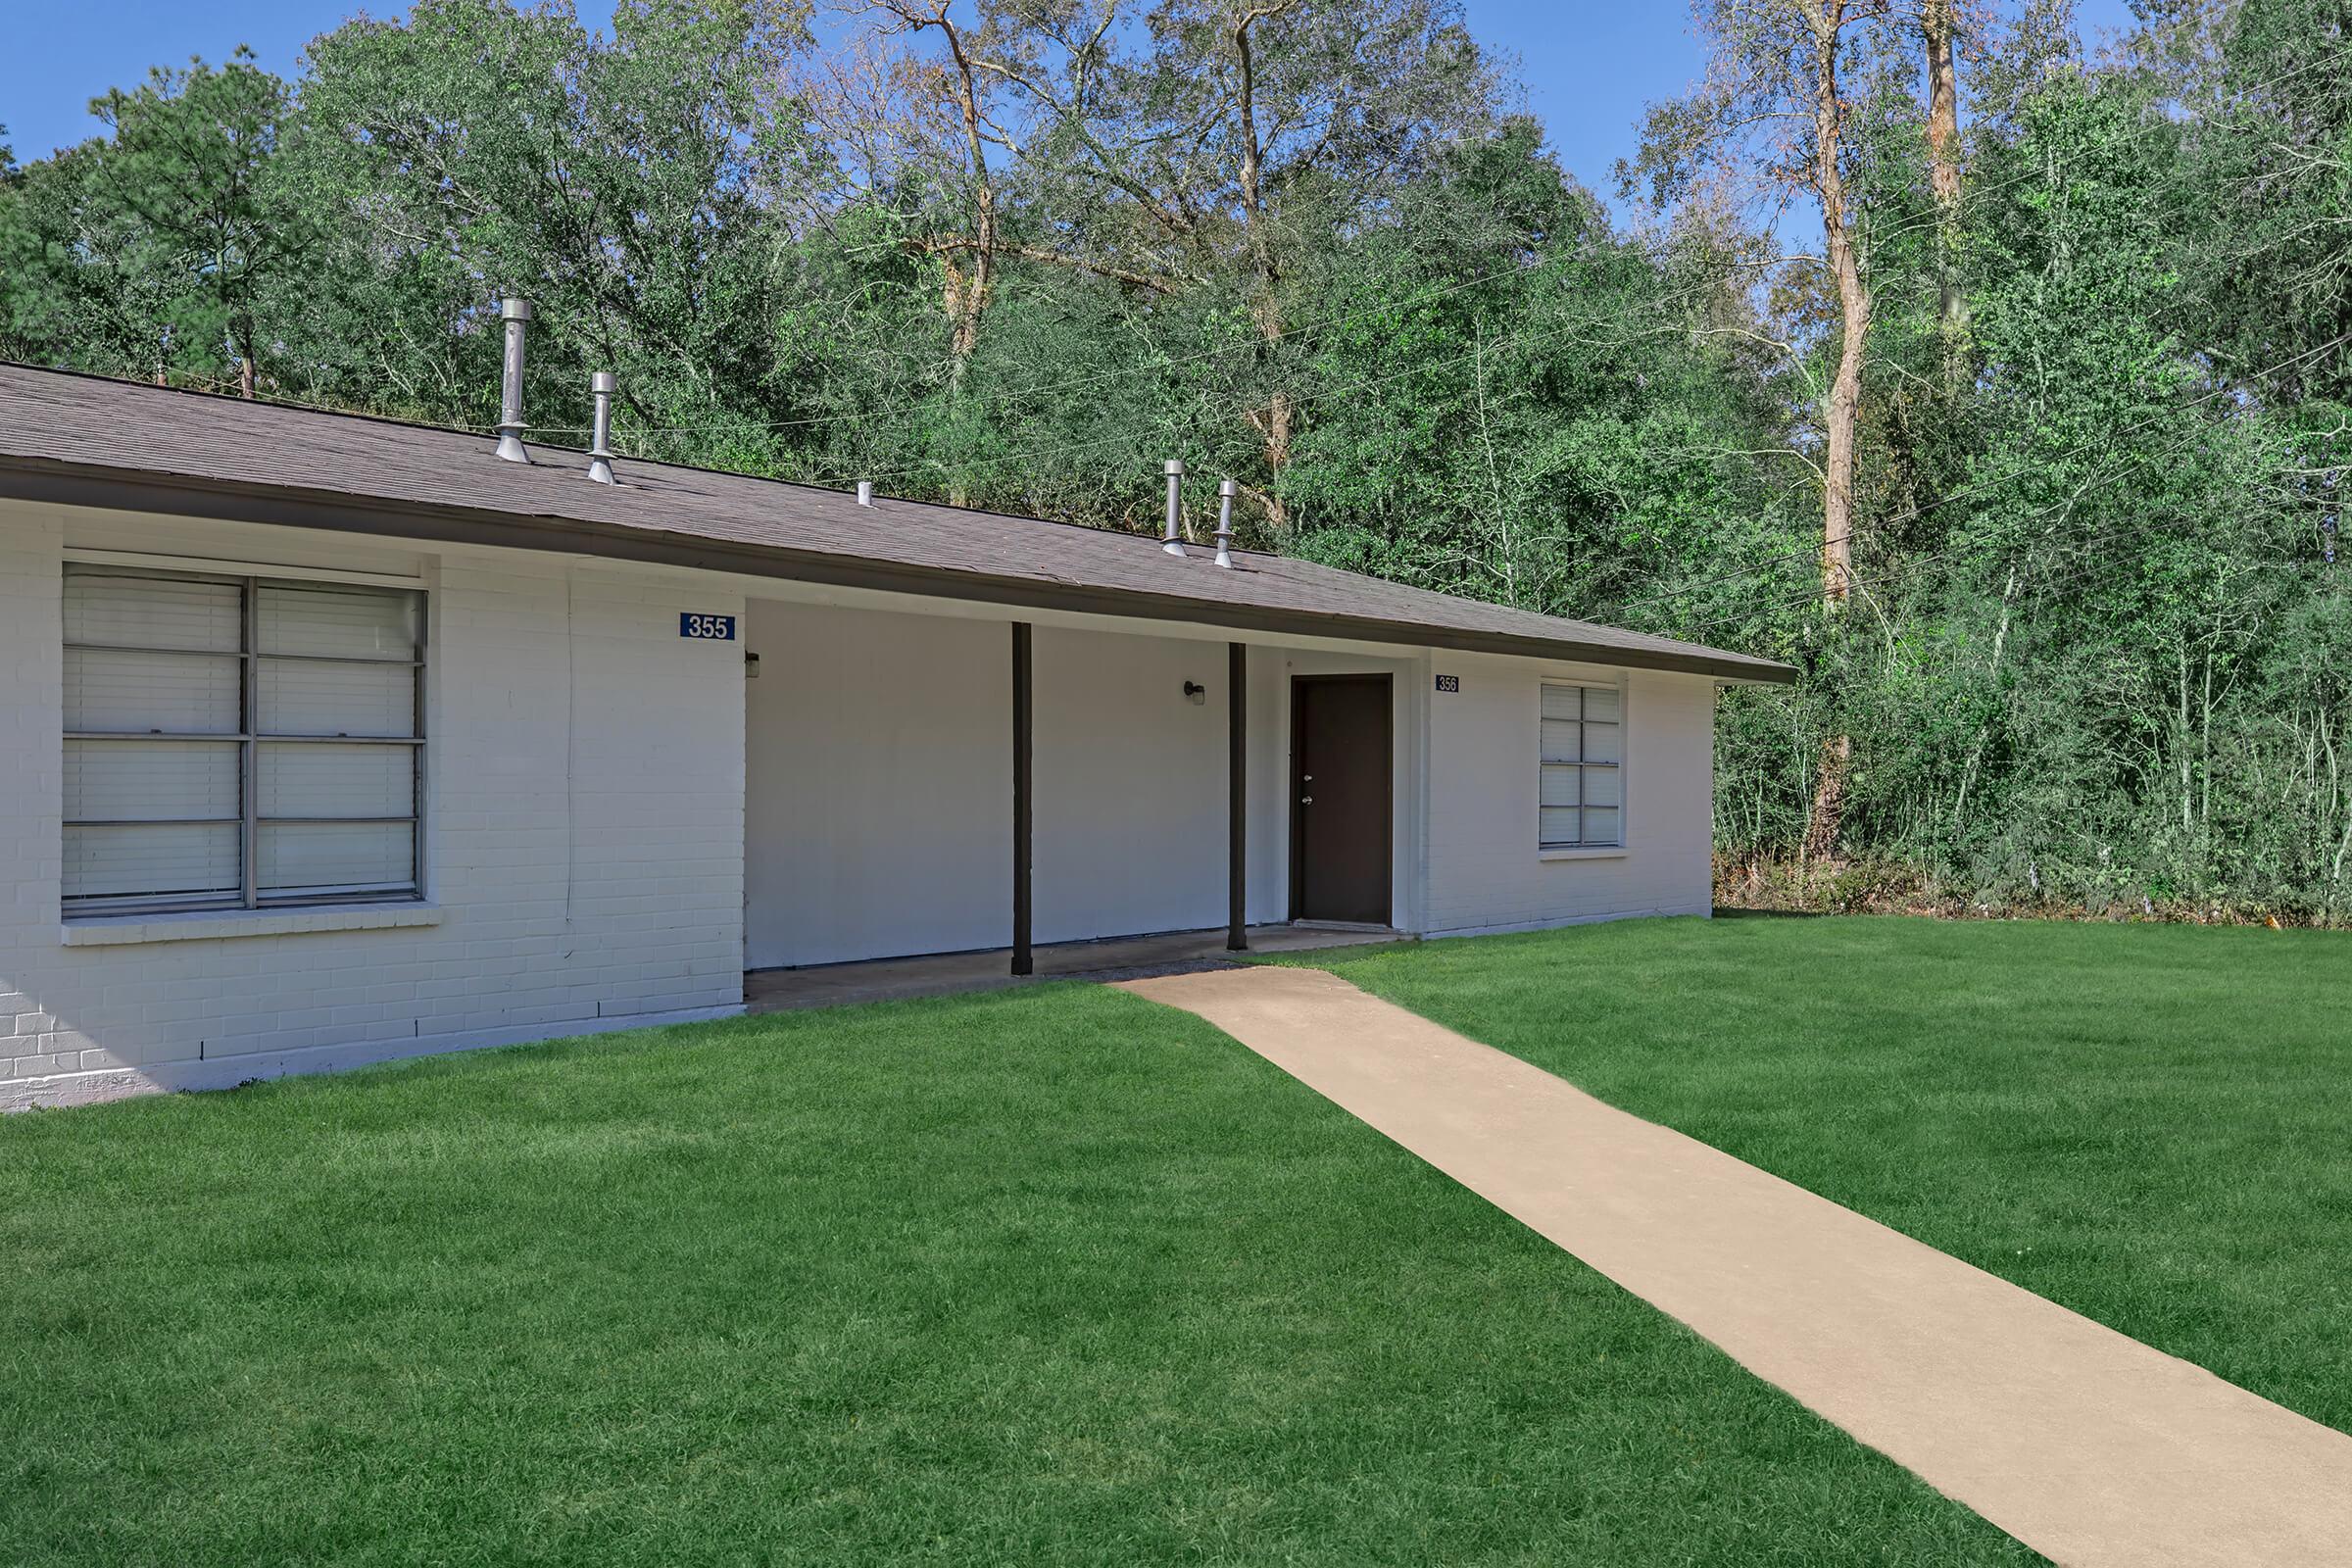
(585, 816)
(1484, 868)
(584, 834)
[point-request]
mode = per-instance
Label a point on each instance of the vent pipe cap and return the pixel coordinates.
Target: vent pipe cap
(600, 453)
(1170, 540)
(513, 312)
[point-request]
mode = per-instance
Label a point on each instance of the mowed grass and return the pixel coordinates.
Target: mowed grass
(1051, 1276)
(2149, 1124)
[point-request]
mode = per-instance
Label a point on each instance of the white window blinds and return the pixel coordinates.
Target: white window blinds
(1583, 800)
(237, 742)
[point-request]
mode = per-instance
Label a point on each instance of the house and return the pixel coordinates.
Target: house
(330, 739)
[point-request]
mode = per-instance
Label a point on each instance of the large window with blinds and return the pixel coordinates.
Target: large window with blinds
(239, 741)
(1584, 762)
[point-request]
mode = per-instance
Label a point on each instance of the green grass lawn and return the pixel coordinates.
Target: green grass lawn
(1045, 1277)
(2149, 1124)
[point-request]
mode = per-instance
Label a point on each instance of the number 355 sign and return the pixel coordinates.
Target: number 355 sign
(712, 628)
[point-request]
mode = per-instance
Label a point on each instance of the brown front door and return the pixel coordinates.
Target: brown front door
(1340, 812)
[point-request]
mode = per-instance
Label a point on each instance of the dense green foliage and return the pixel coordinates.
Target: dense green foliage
(2142, 1124)
(991, 252)
(1053, 1276)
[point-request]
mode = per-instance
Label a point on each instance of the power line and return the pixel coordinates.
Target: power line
(1515, 273)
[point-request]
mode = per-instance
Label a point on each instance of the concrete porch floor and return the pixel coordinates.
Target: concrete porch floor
(941, 974)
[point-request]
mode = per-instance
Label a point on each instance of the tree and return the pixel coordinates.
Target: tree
(1939, 27)
(1512, 402)
(945, 125)
(167, 242)
(1221, 146)
(2034, 464)
(1775, 116)
(618, 181)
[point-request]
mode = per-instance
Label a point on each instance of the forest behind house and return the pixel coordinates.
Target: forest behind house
(1996, 379)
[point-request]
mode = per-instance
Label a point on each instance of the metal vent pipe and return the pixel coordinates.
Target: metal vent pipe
(866, 492)
(1170, 541)
(513, 312)
(1225, 492)
(600, 454)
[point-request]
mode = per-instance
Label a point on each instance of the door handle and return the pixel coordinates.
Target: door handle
(1307, 799)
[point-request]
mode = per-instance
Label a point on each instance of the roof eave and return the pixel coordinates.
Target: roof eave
(142, 490)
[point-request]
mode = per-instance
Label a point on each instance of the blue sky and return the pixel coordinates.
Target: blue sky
(1588, 64)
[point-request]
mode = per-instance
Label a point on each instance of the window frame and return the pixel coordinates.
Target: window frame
(1623, 725)
(249, 739)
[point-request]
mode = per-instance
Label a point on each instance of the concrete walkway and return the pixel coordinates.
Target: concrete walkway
(2089, 1447)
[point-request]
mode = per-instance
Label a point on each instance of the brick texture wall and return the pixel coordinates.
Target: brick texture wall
(584, 833)
(1485, 871)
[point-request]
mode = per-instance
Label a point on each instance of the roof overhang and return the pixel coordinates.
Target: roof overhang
(170, 495)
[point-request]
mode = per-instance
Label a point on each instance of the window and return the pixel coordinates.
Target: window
(1583, 778)
(238, 742)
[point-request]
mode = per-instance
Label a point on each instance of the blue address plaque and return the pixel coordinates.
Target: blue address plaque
(708, 628)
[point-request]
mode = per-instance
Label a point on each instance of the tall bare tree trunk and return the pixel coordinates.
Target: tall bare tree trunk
(1937, 24)
(1827, 18)
(1273, 422)
(1853, 311)
(966, 285)
(968, 293)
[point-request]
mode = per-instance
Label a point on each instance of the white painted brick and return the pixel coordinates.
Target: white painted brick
(578, 866)
(1485, 869)
(586, 838)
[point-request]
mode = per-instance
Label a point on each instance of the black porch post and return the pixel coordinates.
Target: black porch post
(1237, 797)
(1021, 960)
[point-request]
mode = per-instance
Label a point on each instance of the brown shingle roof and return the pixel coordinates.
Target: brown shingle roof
(66, 437)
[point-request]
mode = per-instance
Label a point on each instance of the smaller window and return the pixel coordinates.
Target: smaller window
(1583, 767)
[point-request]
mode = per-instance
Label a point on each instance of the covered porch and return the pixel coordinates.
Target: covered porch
(960, 793)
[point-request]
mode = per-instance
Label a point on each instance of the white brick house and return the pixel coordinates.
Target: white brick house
(326, 740)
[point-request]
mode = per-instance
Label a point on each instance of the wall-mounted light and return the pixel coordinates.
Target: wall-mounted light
(1195, 693)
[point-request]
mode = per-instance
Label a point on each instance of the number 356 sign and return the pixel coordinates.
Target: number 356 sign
(713, 629)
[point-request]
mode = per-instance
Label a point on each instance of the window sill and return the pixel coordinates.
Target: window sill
(206, 925)
(1597, 852)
